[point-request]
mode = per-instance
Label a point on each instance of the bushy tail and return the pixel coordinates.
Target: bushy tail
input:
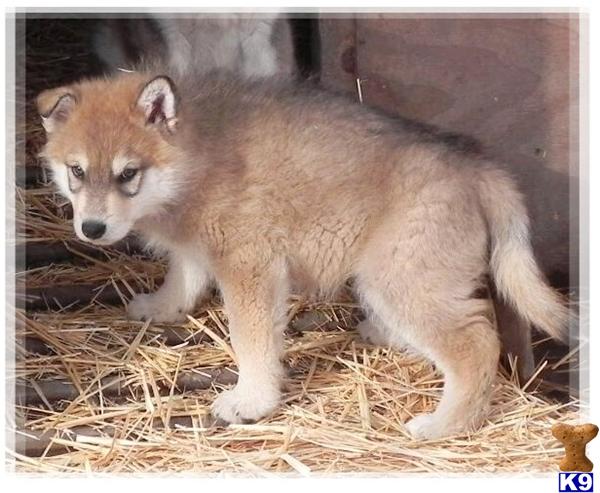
(516, 274)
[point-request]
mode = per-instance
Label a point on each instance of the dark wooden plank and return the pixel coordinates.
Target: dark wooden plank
(73, 296)
(37, 254)
(338, 53)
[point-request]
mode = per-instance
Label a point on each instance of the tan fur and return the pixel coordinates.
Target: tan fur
(283, 186)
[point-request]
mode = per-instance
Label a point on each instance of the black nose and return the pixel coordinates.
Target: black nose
(93, 229)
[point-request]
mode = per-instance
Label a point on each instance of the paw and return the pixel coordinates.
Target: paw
(430, 426)
(423, 427)
(240, 405)
(155, 307)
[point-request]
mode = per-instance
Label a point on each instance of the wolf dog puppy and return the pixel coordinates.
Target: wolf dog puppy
(266, 187)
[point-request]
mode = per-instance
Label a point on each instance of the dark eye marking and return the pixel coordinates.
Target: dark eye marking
(127, 174)
(76, 170)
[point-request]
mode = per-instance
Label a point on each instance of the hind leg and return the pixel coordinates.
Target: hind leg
(515, 334)
(420, 280)
(468, 358)
(463, 345)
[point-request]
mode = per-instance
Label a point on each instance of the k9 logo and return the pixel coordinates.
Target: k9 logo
(575, 481)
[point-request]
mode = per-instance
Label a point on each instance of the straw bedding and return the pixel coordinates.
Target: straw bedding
(100, 393)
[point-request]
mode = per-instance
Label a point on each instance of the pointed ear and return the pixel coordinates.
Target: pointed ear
(55, 106)
(158, 102)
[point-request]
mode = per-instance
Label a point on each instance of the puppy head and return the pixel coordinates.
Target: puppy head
(110, 149)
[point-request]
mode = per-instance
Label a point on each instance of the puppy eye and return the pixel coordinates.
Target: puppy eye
(127, 175)
(77, 171)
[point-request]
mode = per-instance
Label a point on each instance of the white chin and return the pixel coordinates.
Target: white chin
(104, 241)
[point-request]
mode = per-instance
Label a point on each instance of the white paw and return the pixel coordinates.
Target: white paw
(430, 426)
(157, 307)
(427, 427)
(240, 405)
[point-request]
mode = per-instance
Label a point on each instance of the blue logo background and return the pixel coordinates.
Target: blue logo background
(575, 481)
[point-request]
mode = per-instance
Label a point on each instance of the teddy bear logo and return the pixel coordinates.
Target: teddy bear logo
(574, 439)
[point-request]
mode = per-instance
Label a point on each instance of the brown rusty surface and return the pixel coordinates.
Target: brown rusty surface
(338, 53)
(505, 81)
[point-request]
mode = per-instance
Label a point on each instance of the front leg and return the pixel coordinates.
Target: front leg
(255, 303)
(187, 279)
